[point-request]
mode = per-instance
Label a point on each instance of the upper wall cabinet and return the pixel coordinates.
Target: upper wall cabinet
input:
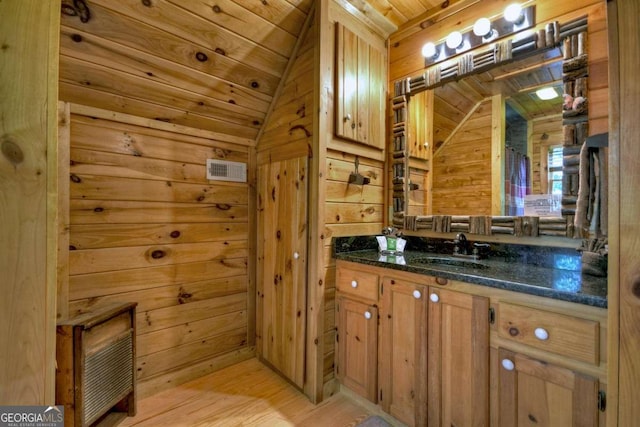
(360, 89)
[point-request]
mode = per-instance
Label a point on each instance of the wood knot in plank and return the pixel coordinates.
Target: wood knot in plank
(158, 253)
(11, 151)
(183, 296)
(79, 8)
(635, 287)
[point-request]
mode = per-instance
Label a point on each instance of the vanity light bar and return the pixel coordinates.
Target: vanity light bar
(484, 31)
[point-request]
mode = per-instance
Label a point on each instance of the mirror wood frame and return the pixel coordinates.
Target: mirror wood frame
(571, 39)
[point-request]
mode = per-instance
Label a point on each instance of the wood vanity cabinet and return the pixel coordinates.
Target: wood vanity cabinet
(357, 331)
(403, 350)
(360, 89)
(453, 353)
(434, 354)
(532, 390)
(357, 363)
(458, 359)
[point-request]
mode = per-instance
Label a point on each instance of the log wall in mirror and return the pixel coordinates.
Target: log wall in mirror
(457, 132)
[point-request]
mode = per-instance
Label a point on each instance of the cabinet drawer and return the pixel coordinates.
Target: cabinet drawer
(358, 283)
(557, 333)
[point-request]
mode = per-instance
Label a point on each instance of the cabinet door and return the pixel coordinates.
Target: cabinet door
(346, 83)
(532, 392)
(281, 266)
(458, 359)
(403, 355)
(360, 89)
(357, 338)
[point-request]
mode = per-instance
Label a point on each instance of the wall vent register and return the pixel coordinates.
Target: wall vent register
(225, 170)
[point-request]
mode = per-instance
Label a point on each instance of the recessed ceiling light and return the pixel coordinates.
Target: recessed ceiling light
(546, 93)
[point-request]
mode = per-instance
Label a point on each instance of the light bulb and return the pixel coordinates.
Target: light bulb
(429, 50)
(454, 40)
(513, 13)
(482, 27)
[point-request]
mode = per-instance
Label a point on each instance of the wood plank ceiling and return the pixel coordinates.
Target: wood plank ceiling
(208, 64)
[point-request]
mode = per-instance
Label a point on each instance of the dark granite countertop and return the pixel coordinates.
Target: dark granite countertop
(547, 272)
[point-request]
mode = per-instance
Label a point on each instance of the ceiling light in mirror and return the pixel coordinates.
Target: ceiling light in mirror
(546, 93)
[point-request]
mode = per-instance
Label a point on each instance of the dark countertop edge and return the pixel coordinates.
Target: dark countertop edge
(590, 300)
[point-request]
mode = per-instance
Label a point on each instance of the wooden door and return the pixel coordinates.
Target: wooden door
(281, 267)
(357, 347)
(458, 359)
(535, 393)
(403, 352)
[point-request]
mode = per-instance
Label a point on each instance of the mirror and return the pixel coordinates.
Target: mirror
(463, 123)
(451, 146)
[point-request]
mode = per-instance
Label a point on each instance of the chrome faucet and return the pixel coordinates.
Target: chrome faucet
(461, 245)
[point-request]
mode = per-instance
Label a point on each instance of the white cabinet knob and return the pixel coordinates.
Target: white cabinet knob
(354, 284)
(296, 255)
(434, 297)
(367, 315)
(508, 365)
(347, 117)
(541, 334)
(417, 294)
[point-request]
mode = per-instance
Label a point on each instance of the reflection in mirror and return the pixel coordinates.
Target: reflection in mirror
(463, 124)
(449, 141)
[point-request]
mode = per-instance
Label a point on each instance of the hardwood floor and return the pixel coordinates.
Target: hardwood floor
(247, 394)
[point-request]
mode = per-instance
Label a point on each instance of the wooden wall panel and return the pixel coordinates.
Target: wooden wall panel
(349, 210)
(212, 65)
(462, 168)
(287, 131)
(545, 132)
(147, 226)
(29, 200)
(624, 240)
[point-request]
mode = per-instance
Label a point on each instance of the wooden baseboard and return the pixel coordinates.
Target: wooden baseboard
(168, 380)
